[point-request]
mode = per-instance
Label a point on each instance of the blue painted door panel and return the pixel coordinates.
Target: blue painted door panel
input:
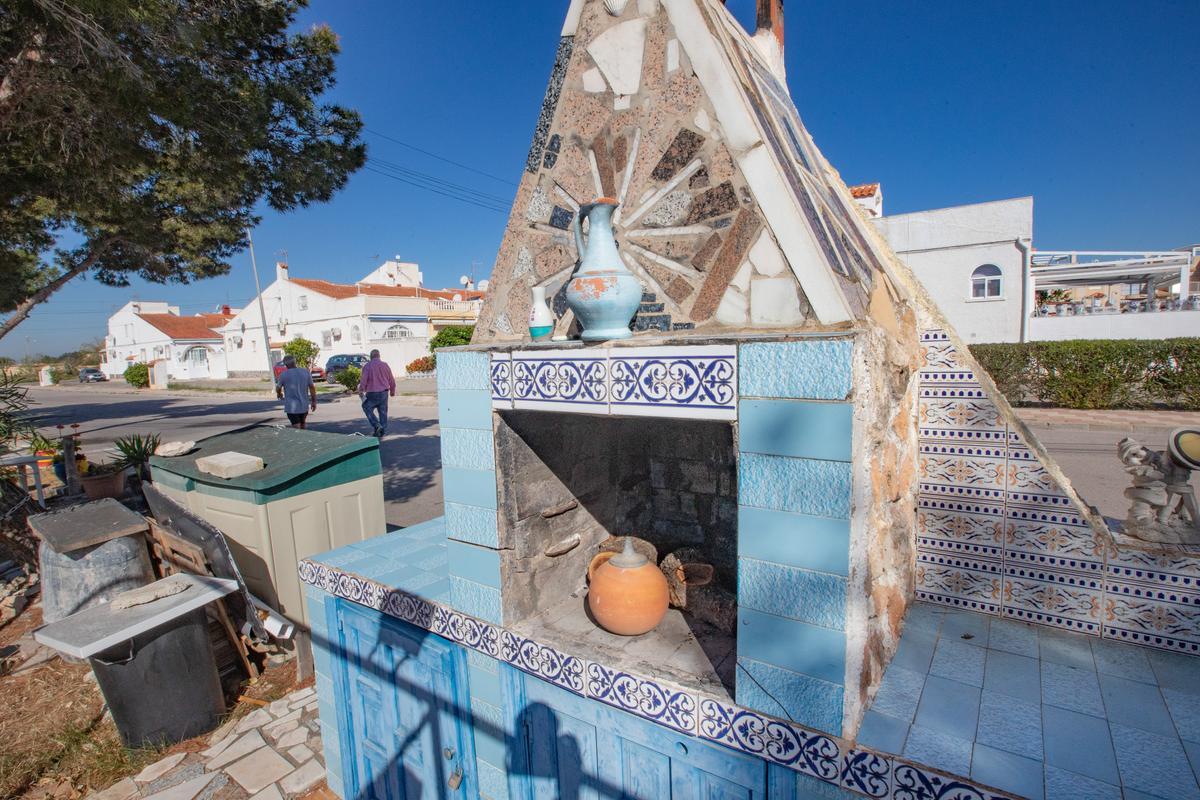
(403, 700)
(571, 748)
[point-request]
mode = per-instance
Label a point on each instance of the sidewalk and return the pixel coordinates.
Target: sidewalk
(1125, 420)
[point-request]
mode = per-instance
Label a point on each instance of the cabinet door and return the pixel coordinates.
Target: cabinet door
(569, 747)
(404, 698)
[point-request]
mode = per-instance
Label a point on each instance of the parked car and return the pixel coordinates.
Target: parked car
(317, 372)
(91, 375)
(339, 362)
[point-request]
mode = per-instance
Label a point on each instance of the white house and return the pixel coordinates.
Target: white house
(385, 311)
(147, 331)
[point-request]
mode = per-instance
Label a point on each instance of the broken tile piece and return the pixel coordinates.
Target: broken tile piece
(678, 155)
(706, 252)
(672, 55)
(741, 235)
(560, 218)
(593, 81)
(622, 102)
(671, 210)
(255, 719)
(243, 746)
(713, 203)
(618, 53)
(292, 738)
(774, 302)
(733, 309)
(305, 777)
(703, 121)
(159, 768)
(742, 279)
(259, 770)
(766, 257)
(538, 210)
(524, 263)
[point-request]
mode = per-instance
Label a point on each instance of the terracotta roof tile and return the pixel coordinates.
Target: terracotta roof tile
(343, 290)
(335, 290)
(864, 190)
(198, 327)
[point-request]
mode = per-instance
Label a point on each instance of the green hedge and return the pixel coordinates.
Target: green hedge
(1097, 373)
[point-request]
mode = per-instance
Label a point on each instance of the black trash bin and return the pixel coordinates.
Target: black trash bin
(162, 685)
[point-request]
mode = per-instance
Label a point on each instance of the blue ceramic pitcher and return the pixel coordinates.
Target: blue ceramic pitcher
(603, 293)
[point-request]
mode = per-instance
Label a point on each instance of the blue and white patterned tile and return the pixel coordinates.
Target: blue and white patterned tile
(1157, 566)
(938, 355)
(951, 580)
(964, 471)
(810, 752)
(969, 529)
(686, 382)
(501, 380)
(1053, 540)
(958, 412)
(542, 661)
(574, 381)
(1027, 476)
(467, 631)
(667, 705)
(867, 773)
(913, 782)
(1161, 617)
(1068, 600)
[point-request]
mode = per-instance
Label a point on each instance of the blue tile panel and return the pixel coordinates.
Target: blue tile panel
(458, 408)
(789, 695)
(796, 646)
(818, 369)
(475, 563)
(472, 524)
(320, 606)
(469, 487)
(468, 449)
(797, 428)
(467, 371)
(798, 540)
(475, 599)
(801, 485)
(814, 597)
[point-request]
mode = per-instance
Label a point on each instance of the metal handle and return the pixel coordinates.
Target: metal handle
(455, 780)
(448, 753)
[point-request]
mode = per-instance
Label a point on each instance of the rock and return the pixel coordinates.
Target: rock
(304, 778)
(292, 738)
(278, 708)
(284, 729)
(159, 768)
(121, 790)
(255, 719)
(243, 746)
(229, 464)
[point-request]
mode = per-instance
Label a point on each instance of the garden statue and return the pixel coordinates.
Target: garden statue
(1163, 503)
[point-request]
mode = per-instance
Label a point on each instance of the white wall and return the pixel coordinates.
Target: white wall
(132, 340)
(1159, 325)
(944, 246)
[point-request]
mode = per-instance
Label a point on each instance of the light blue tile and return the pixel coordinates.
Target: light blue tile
(899, 692)
(793, 645)
(1152, 763)
(803, 485)
(1123, 660)
(485, 686)
(817, 369)
(488, 728)
(924, 616)
(798, 540)
(809, 788)
(1133, 794)
(475, 563)
(916, 649)
(471, 524)
(1013, 637)
(481, 662)
(797, 428)
(1064, 785)
(1010, 724)
(463, 371)
(967, 627)
(1072, 649)
(397, 577)
(957, 661)
(1007, 771)
(1176, 671)
(938, 749)
(470, 487)
(1138, 705)
(462, 408)
(1078, 743)
(1071, 688)
(493, 781)
(1013, 675)
(814, 597)
(475, 599)
(1185, 711)
(881, 732)
(950, 707)
(779, 692)
(467, 449)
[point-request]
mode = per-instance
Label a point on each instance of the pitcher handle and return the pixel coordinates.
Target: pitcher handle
(577, 226)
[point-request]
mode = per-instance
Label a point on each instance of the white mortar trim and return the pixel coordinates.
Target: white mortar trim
(679, 178)
(663, 261)
(571, 23)
(638, 270)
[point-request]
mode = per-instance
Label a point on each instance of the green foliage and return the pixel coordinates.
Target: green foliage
(150, 130)
(304, 351)
(14, 402)
(422, 364)
(349, 377)
(452, 336)
(136, 450)
(1097, 373)
(1053, 296)
(137, 375)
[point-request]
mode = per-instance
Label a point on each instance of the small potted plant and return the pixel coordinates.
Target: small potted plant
(135, 451)
(104, 480)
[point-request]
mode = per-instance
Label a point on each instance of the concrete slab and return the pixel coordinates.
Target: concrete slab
(255, 719)
(186, 790)
(86, 525)
(259, 770)
(300, 753)
(305, 777)
(292, 738)
(244, 746)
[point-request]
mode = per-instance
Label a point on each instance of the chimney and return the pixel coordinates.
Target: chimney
(768, 38)
(226, 311)
(281, 271)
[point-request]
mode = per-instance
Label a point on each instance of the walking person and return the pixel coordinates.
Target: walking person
(299, 394)
(375, 385)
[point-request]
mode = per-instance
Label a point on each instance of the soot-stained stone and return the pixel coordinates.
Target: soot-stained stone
(560, 217)
(651, 322)
(550, 160)
(682, 326)
(558, 303)
(714, 202)
(555, 144)
(651, 308)
(604, 165)
(678, 155)
(700, 179)
(741, 236)
(706, 252)
(550, 102)
(620, 154)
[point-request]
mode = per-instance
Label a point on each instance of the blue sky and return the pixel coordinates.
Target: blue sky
(1091, 108)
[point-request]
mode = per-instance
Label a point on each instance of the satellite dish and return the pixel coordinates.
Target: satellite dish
(464, 280)
(483, 284)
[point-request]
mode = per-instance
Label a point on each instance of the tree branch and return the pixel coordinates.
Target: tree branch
(22, 311)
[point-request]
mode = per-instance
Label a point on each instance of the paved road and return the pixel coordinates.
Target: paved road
(410, 453)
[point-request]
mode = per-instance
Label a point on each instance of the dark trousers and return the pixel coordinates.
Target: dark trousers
(374, 405)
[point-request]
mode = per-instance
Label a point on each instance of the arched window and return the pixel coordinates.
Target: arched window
(987, 281)
(355, 335)
(397, 332)
(196, 355)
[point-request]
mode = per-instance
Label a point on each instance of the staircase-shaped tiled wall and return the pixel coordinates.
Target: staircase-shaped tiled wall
(997, 534)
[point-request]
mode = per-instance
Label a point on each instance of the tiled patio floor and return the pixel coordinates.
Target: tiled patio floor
(1037, 711)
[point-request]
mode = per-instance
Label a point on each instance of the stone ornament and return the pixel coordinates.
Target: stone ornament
(1162, 500)
(615, 7)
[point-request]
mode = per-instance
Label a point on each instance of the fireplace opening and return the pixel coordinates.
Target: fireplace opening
(571, 485)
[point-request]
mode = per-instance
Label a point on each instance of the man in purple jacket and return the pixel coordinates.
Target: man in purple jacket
(374, 387)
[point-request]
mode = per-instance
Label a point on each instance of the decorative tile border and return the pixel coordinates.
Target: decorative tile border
(683, 382)
(819, 755)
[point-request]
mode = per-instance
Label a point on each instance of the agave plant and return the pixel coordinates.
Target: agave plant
(136, 450)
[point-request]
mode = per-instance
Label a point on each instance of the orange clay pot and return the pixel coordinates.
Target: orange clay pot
(628, 594)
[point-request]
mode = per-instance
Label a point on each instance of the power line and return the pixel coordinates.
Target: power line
(458, 164)
(459, 198)
(412, 173)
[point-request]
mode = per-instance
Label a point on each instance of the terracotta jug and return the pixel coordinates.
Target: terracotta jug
(628, 594)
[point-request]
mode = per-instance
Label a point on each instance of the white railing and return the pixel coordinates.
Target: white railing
(461, 306)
